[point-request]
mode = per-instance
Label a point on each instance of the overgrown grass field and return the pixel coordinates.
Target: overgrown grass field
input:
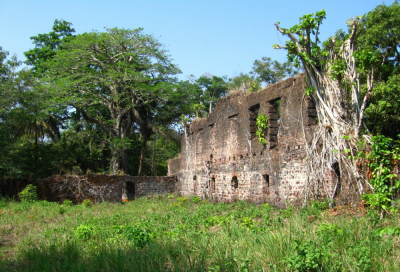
(169, 233)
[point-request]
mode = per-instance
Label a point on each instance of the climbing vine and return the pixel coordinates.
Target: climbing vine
(333, 72)
(382, 160)
(262, 127)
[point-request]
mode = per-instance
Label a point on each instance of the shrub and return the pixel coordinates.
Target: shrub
(68, 203)
(62, 209)
(306, 256)
(196, 199)
(44, 203)
(3, 202)
(139, 235)
(87, 203)
(28, 194)
(84, 232)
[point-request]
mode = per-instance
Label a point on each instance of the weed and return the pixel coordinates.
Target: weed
(62, 209)
(389, 231)
(68, 203)
(141, 236)
(196, 199)
(28, 194)
(85, 232)
(306, 256)
(87, 203)
(3, 202)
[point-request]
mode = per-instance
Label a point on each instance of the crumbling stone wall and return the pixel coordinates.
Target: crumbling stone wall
(222, 159)
(114, 188)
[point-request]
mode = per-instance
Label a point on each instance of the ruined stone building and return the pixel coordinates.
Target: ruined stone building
(222, 158)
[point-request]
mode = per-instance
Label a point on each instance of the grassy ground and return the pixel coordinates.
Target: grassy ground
(186, 234)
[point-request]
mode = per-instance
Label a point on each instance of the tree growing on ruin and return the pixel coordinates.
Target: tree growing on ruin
(335, 75)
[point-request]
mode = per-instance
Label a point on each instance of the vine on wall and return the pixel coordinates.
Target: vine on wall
(262, 128)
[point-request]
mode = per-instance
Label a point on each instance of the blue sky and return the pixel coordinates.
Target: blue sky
(219, 37)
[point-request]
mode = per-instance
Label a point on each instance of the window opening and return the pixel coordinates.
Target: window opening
(336, 168)
(312, 117)
(253, 113)
(235, 183)
(274, 121)
(212, 183)
(130, 190)
(266, 179)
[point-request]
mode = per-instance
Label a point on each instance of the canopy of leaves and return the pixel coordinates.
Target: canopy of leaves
(270, 72)
(381, 34)
(46, 45)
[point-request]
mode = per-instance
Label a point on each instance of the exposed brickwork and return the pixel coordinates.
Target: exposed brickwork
(114, 188)
(222, 158)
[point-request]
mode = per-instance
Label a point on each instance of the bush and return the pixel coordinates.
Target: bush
(87, 203)
(306, 256)
(3, 202)
(84, 232)
(62, 209)
(28, 194)
(140, 236)
(68, 203)
(196, 199)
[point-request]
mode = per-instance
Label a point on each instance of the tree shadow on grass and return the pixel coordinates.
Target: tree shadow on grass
(71, 257)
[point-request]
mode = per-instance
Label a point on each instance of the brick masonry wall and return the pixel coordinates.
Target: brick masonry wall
(114, 188)
(222, 159)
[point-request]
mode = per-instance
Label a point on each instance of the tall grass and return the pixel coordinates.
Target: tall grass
(184, 234)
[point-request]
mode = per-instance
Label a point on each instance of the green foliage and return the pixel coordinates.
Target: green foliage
(87, 203)
(244, 82)
(262, 128)
(62, 209)
(270, 72)
(46, 46)
(85, 232)
(320, 205)
(68, 203)
(385, 152)
(89, 69)
(306, 256)
(309, 26)
(28, 194)
(309, 90)
(361, 254)
(3, 200)
(204, 236)
(213, 89)
(182, 200)
(332, 229)
(216, 220)
(380, 37)
(389, 231)
(383, 111)
(141, 236)
(196, 199)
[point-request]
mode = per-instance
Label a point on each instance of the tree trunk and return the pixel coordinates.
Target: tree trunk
(153, 159)
(142, 155)
(125, 161)
(340, 115)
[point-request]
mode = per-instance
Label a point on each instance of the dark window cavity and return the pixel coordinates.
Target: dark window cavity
(253, 113)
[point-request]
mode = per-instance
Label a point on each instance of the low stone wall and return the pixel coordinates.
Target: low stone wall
(114, 188)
